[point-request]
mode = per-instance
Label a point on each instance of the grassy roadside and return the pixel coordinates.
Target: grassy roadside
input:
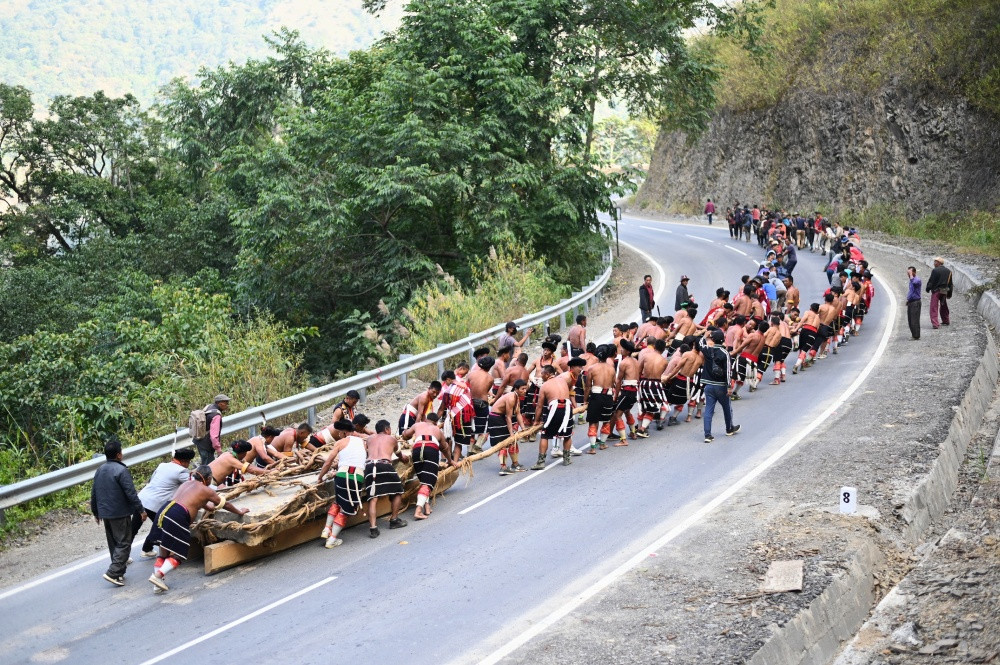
(976, 231)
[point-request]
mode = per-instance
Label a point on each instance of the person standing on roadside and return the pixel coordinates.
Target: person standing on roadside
(710, 210)
(113, 499)
(210, 444)
(646, 301)
(717, 379)
(940, 287)
(913, 303)
(507, 337)
(682, 296)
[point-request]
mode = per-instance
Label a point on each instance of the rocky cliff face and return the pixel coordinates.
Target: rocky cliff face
(897, 147)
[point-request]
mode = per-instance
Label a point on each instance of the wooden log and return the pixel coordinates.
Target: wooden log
(226, 554)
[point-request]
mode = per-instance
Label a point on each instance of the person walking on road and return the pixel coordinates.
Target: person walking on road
(682, 294)
(717, 379)
(210, 444)
(940, 287)
(913, 303)
(646, 302)
(113, 499)
(710, 210)
(159, 490)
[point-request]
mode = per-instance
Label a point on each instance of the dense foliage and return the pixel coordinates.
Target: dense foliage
(156, 256)
(947, 46)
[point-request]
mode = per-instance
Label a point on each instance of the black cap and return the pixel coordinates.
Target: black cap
(718, 336)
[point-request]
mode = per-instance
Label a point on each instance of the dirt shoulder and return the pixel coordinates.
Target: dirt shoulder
(698, 599)
(64, 536)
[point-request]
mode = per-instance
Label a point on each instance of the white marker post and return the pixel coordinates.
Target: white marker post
(848, 500)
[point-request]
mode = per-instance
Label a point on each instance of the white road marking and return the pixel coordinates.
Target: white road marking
(699, 238)
(551, 619)
(738, 251)
(653, 228)
(534, 474)
(233, 624)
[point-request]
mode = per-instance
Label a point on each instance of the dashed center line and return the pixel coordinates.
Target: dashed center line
(653, 228)
(699, 238)
(738, 251)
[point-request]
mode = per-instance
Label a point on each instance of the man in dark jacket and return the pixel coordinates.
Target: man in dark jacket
(682, 295)
(646, 301)
(113, 499)
(210, 444)
(940, 287)
(717, 387)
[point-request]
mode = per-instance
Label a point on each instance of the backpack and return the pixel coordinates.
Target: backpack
(716, 365)
(197, 424)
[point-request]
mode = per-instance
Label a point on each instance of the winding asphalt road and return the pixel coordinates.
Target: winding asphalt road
(498, 555)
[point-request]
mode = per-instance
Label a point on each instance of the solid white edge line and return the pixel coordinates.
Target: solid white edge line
(738, 251)
(699, 238)
(702, 512)
(653, 228)
(233, 624)
(52, 576)
(534, 474)
(661, 285)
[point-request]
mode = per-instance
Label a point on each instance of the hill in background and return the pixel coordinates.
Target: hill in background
(54, 47)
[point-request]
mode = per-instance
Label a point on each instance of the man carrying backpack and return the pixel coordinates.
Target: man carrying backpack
(716, 379)
(206, 428)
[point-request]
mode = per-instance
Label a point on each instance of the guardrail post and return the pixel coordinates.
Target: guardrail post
(253, 431)
(3, 518)
(440, 364)
(311, 416)
(403, 378)
(364, 395)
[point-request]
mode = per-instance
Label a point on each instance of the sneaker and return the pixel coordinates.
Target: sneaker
(517, 468)
(795, 369)
(540, 464)
(835, 352)
(475, 449)
(567, 459)
(157, 581)
(325, 533)
(333, 542)
(734, 430)
(148, 555)
(373, 532)
(574, 452)
(557, 452)
(735, 397)
(709, 438)
(642, 434)
(397, 523)
(672, 421)
(504, 471)
(659, 424)
(117, 581)
(130, 561)
(821, 356)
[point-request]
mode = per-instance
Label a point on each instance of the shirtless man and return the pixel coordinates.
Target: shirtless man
(172, 526)
(229, 467)
(428, 442)
(690, 371)
(808, 328)
(555, 415)
(535, 381)
(685, 326)
(743, 305)
(516, 371)
(291, 439)
(600, 385)
(480, 383)
(735, 333)
(499, 369)
(746, 358)
(626, 392)
(676, 382)
(348, 454)
(784, 348)
(263, 453)
(828, 313)
(457, 404)
(505, 419)
(772, 343)
(652, 398)
(381, 478)
(572, 373)
(577, 336)
(792, 297)
(418, 408)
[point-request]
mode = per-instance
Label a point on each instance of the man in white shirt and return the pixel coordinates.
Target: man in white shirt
(160, 489)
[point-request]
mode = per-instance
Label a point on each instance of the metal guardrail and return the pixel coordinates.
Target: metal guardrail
(54, 481)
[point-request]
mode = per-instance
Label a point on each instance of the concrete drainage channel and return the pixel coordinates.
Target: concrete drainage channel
(817, 633)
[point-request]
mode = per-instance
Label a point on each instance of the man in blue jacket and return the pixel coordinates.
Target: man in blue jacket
(113, 499)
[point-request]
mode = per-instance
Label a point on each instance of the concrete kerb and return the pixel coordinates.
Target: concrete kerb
(818, 632)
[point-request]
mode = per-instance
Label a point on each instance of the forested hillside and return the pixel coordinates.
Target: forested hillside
(56, 47)
(289, 218)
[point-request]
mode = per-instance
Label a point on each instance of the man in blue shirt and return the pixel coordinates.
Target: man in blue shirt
(913, 303)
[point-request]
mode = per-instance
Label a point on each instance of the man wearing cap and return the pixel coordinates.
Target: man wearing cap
(646, 302)
(507, 337)
(940, 287)
(210, 444)
(716, 379)
(682, 294)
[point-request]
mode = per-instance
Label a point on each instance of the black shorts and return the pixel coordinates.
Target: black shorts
(627, 399)
(600, 408)
(807, 338)
(784, 348)
(481, 422)
(426, 462)
(498, 429)
(557, 420)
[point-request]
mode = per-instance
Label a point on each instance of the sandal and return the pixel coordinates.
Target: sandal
(776, 382)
